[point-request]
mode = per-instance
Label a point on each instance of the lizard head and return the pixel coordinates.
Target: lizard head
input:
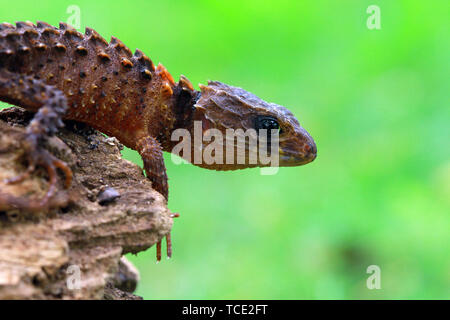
(221, 107)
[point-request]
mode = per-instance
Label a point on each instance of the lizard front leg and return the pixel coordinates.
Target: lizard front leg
(151, 152)
(51, 104)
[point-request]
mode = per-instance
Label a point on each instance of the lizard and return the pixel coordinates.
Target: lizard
(60, 74)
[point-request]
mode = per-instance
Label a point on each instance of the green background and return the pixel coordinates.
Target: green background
(377, 104)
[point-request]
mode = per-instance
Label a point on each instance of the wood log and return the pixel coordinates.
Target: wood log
(73, 248)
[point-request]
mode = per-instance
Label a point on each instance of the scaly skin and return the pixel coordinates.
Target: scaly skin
(60, 73)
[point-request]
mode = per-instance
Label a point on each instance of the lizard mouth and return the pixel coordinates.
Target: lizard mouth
(303, 155)
(295, 160)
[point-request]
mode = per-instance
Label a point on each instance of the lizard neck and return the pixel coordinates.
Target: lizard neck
(182, 111)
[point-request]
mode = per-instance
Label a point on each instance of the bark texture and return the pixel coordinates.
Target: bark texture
(73, 249)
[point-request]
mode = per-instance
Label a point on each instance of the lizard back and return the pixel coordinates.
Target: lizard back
(106, 86)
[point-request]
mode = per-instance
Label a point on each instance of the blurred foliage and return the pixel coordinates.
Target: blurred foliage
(377, 104)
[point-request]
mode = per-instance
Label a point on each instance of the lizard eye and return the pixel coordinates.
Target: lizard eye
(265, 122)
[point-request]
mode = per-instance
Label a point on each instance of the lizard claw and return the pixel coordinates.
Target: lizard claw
(21, 177)
(158, 251)
(168, 248)
(40, 157)
(168, 243)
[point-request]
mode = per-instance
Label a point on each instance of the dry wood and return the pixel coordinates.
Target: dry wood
(39, 251)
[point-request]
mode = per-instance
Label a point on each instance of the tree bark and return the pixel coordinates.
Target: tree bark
(73, 249)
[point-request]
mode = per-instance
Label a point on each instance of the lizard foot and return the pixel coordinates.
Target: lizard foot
(38, 156)
(168, 248)
(168, 243)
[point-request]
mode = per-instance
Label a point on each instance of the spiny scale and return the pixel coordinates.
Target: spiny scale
(103, 82)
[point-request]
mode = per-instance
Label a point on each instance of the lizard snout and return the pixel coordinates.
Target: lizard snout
(298, 151)
(311, 150)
